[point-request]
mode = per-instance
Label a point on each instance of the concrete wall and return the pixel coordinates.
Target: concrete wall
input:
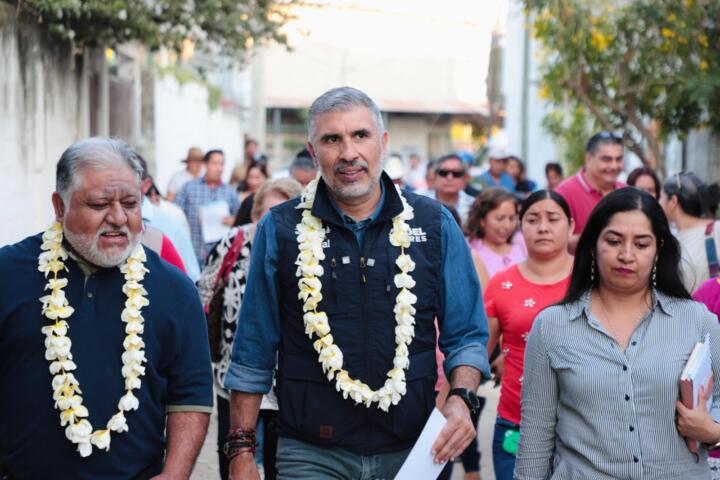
(43, 109)
(183, 119)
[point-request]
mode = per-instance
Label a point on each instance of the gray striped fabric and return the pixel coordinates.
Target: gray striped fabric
(592, 411)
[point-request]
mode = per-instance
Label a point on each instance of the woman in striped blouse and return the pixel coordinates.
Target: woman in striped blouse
(602, 367)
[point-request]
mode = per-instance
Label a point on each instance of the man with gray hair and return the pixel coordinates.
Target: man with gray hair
(363, 269)
(130, 395)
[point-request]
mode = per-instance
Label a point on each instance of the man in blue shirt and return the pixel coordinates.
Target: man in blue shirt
(168, 224)
(143, 419)
(337, 419)
(496, 176)
(202, 191)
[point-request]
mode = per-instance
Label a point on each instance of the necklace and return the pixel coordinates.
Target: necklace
(310, 237)
(66, 388)
(610, 322)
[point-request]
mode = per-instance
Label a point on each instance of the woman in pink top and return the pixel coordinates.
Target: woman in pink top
(491, 230)
(709, 294)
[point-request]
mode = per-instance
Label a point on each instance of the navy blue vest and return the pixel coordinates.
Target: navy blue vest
(358, 297)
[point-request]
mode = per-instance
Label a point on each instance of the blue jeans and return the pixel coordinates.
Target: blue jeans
(297, 460)
(503, 462)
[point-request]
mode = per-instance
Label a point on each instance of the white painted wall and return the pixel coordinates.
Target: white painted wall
(541, 147)
(183, 119)
(42, 111)
(417, 55)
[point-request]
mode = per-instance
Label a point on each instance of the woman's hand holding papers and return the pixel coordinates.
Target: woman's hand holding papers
(697, 423)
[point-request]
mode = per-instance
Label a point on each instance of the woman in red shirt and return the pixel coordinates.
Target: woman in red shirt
(514, 297)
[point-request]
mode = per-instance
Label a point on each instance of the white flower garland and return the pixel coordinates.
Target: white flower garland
(310, 237)
(66, 388)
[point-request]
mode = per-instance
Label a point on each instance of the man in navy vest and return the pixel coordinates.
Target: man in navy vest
(336, 417)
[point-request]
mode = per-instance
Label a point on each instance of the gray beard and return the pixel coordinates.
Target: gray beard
(86, 248)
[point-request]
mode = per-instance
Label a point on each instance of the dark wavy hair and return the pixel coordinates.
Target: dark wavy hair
(633, 177)
(545, 195)
(487, 201)
(627, 199)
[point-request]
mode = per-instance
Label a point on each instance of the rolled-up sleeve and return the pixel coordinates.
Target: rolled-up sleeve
(461, 316)
(539, 410)
(257, 335)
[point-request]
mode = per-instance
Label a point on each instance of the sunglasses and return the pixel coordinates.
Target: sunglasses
(607, 135)
(455, 173)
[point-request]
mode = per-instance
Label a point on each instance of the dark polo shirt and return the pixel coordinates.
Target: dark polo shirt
(178, 374)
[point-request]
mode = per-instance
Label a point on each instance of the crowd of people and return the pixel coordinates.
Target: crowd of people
(324, 315)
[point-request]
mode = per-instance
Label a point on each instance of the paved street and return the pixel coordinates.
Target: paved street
(206, 468)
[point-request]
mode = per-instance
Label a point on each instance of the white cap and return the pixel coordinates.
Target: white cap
(497, 152)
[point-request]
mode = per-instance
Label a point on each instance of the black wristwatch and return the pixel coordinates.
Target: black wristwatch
(469, 397)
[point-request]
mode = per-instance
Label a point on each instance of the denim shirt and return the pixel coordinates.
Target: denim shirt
(459, 301)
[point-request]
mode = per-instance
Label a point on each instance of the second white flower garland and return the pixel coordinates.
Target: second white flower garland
(310, 237)
(66, 388)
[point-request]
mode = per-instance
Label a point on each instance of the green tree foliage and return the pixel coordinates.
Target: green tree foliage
(647, 67)
(227, 27)
(572, 128)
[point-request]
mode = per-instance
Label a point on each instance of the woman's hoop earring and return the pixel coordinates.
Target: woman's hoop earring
(592, 271)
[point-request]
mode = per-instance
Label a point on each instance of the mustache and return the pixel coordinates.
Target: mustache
(122, 230)
(352, 164)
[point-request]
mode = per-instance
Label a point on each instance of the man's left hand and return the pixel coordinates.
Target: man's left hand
(457, 433)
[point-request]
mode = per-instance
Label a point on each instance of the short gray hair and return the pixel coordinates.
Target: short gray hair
(342, 99)
(95, 153)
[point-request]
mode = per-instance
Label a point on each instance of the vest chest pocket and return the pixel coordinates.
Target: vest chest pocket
(356, 283)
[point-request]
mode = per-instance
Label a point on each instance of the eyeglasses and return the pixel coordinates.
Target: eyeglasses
(455, 173)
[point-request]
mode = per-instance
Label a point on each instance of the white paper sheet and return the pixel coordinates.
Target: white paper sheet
(702, 372)
(211, 217)
(419, 464)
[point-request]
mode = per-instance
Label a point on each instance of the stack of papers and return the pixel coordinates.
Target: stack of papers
(697, 373)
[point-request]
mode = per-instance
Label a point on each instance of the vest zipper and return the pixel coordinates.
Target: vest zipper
(365, 327)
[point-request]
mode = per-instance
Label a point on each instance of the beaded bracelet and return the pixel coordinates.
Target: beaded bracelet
(239, 441)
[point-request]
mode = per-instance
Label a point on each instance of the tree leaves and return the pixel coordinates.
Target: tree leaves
(632, 64)
(225, 27)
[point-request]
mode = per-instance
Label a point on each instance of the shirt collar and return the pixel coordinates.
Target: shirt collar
(347, 220)
(84, 266)
(582, 178)
(388, 207)
(582, 306)
(584, 183)
(214, 185)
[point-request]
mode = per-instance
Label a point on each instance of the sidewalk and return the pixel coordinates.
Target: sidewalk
(207, 466)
